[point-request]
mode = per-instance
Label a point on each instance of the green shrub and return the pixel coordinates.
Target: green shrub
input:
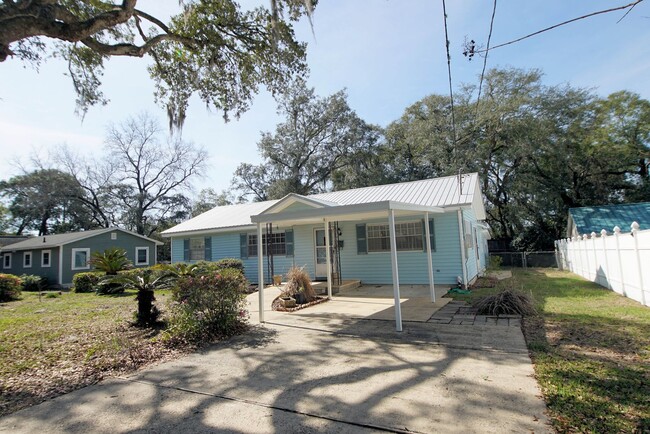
(208, 307)
(208, 267)
(9, 287)
(495, 263)
(230, 263)
(86, 282)
(33, 283)
(110, 261)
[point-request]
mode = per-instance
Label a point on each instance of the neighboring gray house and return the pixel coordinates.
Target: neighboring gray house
(59, 257)
(5, 240)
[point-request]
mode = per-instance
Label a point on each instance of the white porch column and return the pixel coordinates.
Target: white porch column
(427, 235)
(328, 260)
(393, 263)
(463, 259)
(260, 270)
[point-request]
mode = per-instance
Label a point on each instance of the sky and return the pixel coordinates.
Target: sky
(387, 54)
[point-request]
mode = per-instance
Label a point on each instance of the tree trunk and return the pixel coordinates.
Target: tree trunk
(145, 307)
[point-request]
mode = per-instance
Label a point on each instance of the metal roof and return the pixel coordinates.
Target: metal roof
(590, 219)
(56, 240)
(437, 192)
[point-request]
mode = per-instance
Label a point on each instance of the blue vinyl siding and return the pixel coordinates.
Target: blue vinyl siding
(375, 268)
(370, 268)
(177, 250)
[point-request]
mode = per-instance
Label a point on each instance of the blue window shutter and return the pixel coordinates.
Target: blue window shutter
(208, 248)
(243, 246)
(186, 250)
(362, 244)
(288, 239)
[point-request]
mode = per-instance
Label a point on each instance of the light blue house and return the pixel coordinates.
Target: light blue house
(450, 210)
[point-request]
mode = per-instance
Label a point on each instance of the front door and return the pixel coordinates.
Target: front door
(320, 254)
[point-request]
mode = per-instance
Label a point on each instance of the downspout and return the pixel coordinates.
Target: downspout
(461, 238)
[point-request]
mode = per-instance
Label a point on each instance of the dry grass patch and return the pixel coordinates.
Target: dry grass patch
(57, 345)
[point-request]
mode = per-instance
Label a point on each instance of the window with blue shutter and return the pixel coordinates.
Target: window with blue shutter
(362, 244)
(186, 250)
(288, 239)
(243, 246)
(208, 248)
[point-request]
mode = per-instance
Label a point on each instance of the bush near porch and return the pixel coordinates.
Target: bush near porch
(590, 348)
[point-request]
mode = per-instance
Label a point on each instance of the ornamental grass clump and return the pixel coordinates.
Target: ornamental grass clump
(299, 282)
(208, 307)
(506, 302)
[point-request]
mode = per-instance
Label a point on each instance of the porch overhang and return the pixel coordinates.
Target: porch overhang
(364, 211)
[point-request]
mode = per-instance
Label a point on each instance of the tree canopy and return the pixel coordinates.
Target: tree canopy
(207, 48)
(139, 183)
(538, 150)
(318, 137)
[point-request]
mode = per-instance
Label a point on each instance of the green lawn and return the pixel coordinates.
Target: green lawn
(591, 350)
(53, 345)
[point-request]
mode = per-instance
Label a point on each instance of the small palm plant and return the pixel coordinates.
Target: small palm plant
(110, 261)
(181, 269)
(145, 282)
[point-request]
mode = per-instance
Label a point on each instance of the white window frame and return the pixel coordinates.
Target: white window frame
(416, 249)
(31, 259)
(137, 249)
(279, 243)
(198, 240)
(49, 262)
(4, 264)
(82, 249)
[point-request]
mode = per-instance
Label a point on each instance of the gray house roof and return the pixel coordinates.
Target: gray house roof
(5, 240)
(445, 192)
(48, 241)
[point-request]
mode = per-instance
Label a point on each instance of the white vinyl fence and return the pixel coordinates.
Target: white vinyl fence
(618, 261)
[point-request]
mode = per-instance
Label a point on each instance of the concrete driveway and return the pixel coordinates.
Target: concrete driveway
(318, 374)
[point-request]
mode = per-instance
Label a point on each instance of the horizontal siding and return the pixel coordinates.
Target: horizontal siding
(372, 268)
(51, 273)
(101, 242)
(177, 250)
(375, 268)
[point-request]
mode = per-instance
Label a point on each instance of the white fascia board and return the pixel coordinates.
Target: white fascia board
(208, 231)
(343, 211)
(289, 200)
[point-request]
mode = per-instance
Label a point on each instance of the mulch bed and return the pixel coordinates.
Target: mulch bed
(485, 282)
(277, 304)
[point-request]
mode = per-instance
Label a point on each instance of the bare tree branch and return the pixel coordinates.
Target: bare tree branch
(627, 6)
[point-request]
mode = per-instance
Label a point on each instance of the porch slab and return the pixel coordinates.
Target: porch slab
(365, 302)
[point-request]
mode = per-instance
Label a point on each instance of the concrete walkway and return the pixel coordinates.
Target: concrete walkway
(318, 373)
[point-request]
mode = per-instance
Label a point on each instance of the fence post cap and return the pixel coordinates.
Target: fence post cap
(634, 226)
(617, 230)
(593, 235)
(603, 233)
(585, 236)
